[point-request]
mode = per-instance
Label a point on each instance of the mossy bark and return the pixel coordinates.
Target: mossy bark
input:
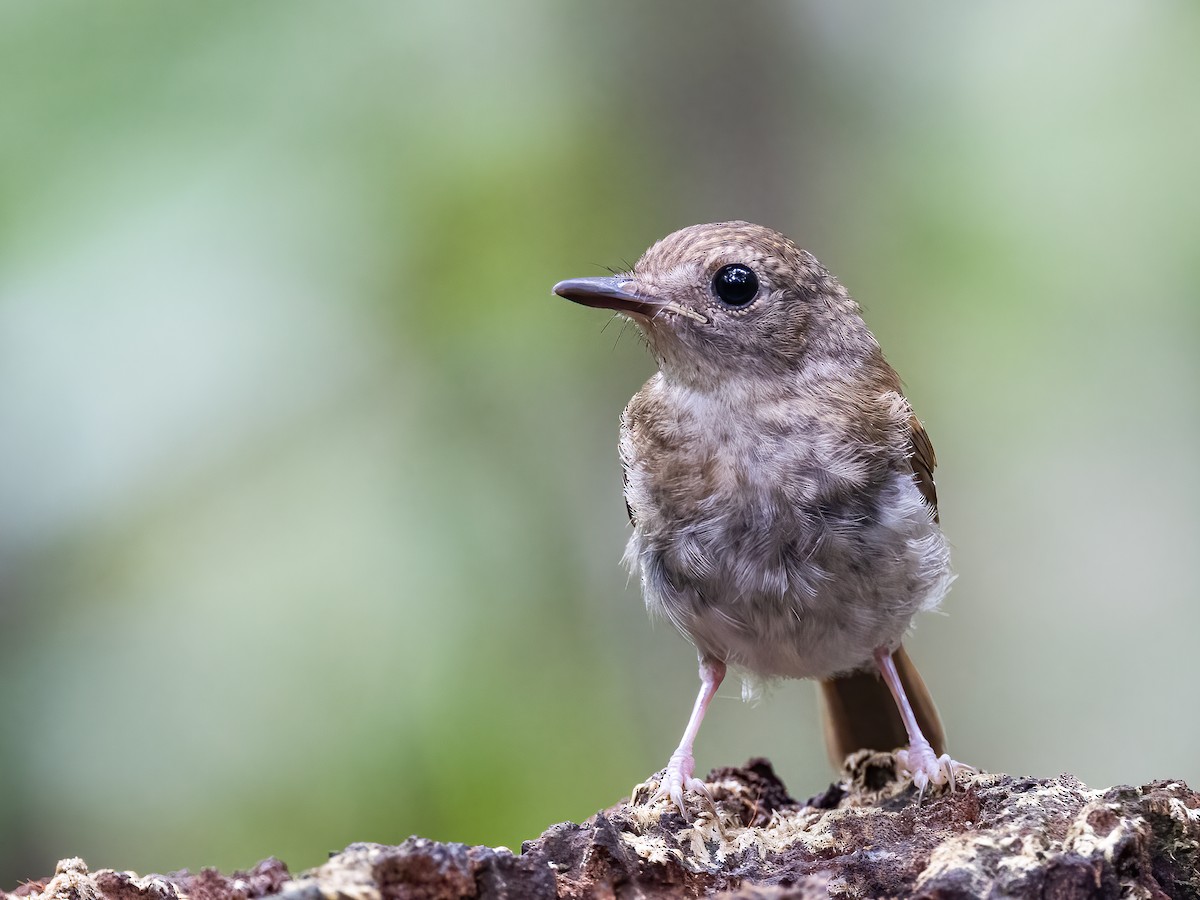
(867, 836)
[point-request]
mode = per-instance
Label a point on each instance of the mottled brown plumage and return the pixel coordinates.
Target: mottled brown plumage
(779, 484)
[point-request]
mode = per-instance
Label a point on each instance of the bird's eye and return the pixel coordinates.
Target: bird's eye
(735, 285)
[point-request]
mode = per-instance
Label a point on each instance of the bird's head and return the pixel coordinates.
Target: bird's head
(727, 299)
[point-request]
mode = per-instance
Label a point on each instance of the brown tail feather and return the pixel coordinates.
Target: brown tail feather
(859, 712)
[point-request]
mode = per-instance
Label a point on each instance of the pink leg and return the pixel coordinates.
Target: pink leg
(919, 760)
(682, 765)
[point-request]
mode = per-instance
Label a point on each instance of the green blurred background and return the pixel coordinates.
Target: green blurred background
(310, 509)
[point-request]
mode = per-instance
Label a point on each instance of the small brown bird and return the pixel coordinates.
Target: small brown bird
(780, 488)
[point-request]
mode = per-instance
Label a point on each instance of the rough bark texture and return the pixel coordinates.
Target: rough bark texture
(997, 836)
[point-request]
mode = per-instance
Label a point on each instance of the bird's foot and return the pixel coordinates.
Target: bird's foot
(675, 781)
(926, 769)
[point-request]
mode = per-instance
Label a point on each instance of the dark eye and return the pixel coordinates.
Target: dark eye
(735, 285)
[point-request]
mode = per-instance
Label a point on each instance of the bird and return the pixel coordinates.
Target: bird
(780, 490)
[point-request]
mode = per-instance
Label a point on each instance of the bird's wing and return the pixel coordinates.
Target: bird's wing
(625, 490)
(922, 459)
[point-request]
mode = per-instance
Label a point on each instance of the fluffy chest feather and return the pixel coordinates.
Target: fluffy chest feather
(751, 463)
(766, 526)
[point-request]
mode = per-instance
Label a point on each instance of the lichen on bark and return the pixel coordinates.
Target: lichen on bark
(867, 836)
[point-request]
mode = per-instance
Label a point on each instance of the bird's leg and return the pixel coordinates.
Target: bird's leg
(678, 776)
(918, 761)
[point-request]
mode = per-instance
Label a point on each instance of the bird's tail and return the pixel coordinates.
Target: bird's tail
(859, 712)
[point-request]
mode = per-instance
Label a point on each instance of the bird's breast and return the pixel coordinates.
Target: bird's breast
(723, 473)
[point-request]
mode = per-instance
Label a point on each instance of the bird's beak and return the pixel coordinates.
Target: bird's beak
(609, 293)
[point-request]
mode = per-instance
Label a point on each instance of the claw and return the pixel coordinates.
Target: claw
(925, 769)
(675, 782)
